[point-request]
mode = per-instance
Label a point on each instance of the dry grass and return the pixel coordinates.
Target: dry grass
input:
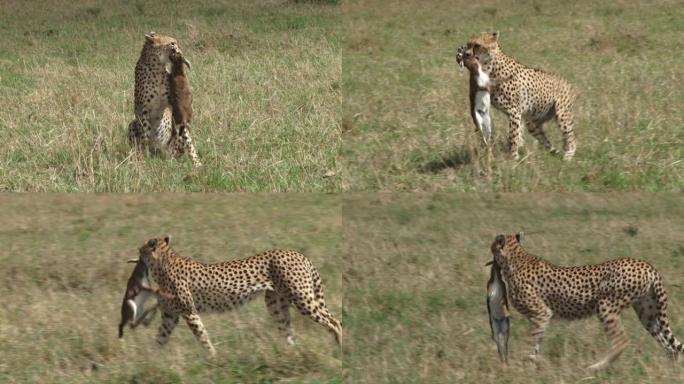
(405, 117)
(64, 274)
(414, 275)
(265, 79)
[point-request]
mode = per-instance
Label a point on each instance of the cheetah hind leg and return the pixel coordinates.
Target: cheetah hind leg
(536, 129)
(318, 312)
(653, 316)
(609, 314)
(187, 145)
(564, 118)
(279, 308)
(333, 324)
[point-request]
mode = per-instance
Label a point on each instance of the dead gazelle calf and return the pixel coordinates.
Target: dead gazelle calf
(480, 91)
(138, 290)
(497, 307)
(181, 100)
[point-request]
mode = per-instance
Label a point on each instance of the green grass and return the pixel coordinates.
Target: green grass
(405, 119)
(64, 274)
(266, 88)
(415, 276)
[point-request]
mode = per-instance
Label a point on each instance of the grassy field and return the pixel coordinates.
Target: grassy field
(405, 118)
(414, 275)
(266, 87)
(64, 275)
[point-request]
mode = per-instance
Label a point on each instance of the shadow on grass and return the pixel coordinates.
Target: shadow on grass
(456, 159)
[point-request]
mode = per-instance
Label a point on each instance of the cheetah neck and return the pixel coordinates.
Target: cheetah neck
(159, 267)
(150, 58)
(519, 260)
(502, 66)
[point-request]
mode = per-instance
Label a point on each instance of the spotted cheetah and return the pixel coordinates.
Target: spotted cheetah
(287, 277)
(540, 290)
(527, 95)
(153, 126)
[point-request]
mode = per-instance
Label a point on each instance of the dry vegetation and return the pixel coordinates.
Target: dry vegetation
(265, 78)
(414, 275)
(406, 124)
(64, 274)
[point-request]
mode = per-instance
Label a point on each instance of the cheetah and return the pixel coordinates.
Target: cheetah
(287, 277)
(527, 95)
(480, 89)
(153, 127)
(540, 290)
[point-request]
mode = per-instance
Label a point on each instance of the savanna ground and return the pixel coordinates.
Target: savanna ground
(406, 122)
(266, 92)
(415, 276)
(64, 275)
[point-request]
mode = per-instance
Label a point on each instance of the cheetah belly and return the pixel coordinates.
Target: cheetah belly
(570, 307)
(573, 297)
(224, 299)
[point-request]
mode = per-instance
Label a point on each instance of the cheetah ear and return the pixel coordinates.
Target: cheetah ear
(167, 239)
(518, 237)
(496, 35)
(150, 36)
(152, 243)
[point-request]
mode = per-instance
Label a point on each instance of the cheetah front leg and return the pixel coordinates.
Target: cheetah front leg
(515, 137)
(168, 324)
(609, 314)
(197, 328)
(538, 323)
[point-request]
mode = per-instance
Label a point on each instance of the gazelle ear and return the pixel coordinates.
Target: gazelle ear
(500, 241)
(519, 236)
(150, 36)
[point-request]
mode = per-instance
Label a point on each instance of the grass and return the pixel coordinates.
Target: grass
(414, 305)
(64, 274)
(266, 90)
(405, 119)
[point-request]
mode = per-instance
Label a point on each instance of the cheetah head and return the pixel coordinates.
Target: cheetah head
(505, 247)
(161, 47)
(482, 45)
(152, 250)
